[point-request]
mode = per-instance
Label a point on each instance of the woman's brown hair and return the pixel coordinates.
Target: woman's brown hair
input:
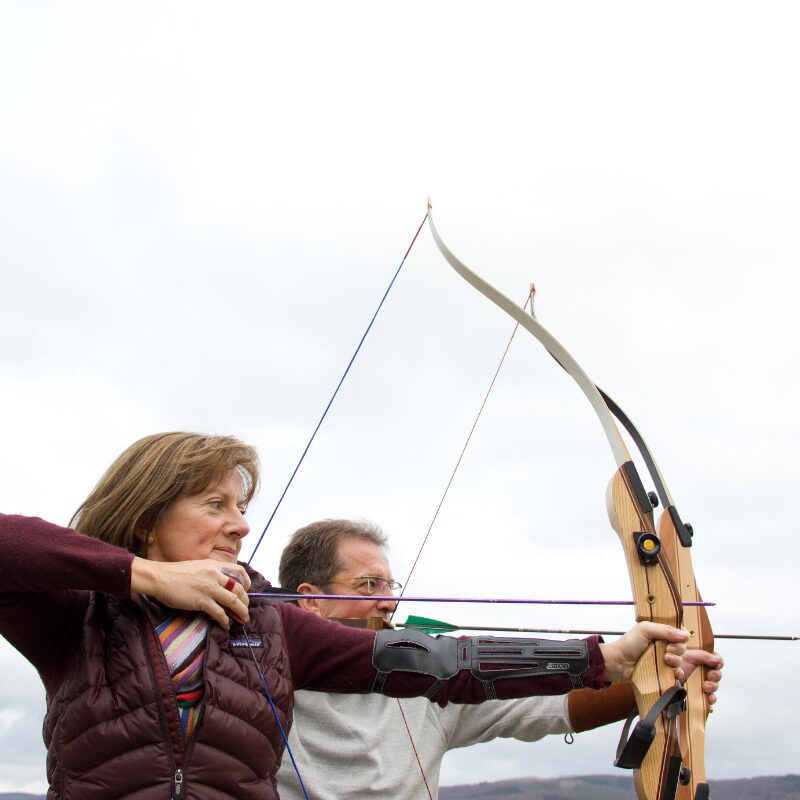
(139, 487)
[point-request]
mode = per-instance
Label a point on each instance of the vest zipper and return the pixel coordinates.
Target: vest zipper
(177, 785)
(188, 744)
(167, 711)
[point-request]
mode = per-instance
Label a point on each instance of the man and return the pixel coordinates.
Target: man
(349, 746)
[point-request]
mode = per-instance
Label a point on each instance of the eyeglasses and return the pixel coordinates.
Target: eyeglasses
(370, 584)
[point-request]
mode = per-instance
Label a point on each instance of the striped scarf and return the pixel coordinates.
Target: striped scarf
(183, 636)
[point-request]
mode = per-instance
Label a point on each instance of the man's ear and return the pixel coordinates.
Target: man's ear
(311, 604)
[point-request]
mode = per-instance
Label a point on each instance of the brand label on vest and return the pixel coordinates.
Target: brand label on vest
(253, 641)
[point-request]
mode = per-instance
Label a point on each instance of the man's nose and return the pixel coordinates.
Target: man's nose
(388, 606)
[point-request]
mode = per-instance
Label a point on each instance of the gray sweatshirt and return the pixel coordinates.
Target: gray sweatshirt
(349, 747)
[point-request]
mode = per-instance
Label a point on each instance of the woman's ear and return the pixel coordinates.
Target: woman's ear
(142, 540)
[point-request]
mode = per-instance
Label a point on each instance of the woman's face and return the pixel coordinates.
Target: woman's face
(206, 525)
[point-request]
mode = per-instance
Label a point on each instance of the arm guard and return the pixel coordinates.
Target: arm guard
(487, 658)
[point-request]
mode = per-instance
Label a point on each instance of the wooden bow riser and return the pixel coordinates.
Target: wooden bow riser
(692, 723)
(656, 600)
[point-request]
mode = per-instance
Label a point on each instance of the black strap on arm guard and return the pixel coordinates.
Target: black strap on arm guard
(487, 658)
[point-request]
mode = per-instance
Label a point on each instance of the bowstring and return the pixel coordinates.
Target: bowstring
(284, 736)
(414, 748)
(528, 301)
(439, 508)
(289, 483)
(336, 391)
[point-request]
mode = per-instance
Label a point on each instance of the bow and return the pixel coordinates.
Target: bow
(661, 752)
(676, 543)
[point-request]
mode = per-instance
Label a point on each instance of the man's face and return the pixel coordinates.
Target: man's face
(359, 559)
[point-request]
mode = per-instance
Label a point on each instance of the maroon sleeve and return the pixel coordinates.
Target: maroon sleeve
(46, 572)
(37, 556)
(329, 657)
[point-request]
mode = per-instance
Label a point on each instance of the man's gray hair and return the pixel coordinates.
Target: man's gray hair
(312, 553)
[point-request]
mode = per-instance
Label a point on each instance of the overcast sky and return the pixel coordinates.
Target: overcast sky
(201, 205)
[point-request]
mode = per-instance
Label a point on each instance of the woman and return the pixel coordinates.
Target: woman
(150, 687)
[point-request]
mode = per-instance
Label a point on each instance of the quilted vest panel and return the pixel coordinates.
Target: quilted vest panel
(112, 729)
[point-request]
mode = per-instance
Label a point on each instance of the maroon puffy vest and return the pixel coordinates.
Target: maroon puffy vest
(113, 733)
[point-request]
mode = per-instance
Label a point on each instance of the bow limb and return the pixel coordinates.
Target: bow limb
(655, 591)
(533, 327)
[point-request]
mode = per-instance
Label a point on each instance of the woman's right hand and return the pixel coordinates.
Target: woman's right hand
(195, 586)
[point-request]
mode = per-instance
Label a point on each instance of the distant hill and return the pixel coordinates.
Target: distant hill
(587, 787)
(615, 787)
(20, 796)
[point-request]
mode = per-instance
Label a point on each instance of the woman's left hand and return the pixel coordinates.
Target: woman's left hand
(621, 656)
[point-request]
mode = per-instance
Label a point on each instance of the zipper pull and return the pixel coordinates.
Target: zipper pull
(177, 786)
